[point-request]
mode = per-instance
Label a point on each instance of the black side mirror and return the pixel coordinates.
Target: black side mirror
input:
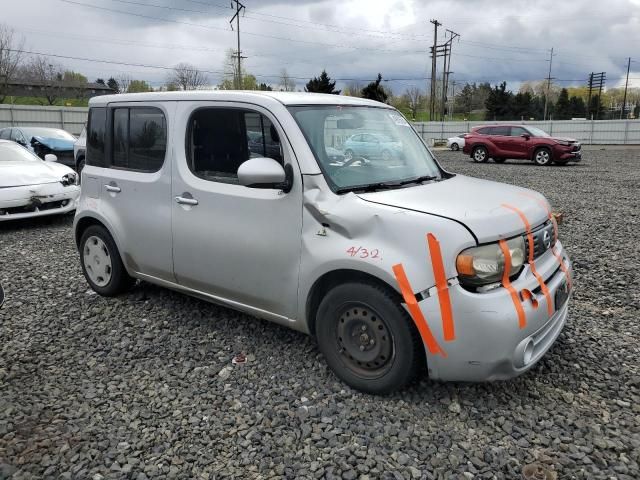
(526, 136)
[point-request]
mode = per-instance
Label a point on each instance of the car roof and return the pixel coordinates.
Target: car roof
(286, 98)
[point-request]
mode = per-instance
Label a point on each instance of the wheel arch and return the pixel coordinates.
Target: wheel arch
(333, 278)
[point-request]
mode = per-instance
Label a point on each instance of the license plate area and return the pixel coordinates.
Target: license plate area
(562, 294)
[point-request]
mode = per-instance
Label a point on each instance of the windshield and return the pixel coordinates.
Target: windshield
(48, 133)
(536, 132)
(12, 152)
(364, 146)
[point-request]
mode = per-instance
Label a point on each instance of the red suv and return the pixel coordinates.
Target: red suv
(519, 142)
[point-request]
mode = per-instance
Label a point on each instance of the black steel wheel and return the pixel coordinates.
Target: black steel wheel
(367, 338)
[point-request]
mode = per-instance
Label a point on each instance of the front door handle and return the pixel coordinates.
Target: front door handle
(113, 188)
(186, 201)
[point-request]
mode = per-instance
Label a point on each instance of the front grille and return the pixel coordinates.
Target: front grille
(576, 147)
(541, 242)
(34, 207)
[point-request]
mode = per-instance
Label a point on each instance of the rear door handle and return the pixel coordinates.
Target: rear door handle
(186, 201)
(113, 188)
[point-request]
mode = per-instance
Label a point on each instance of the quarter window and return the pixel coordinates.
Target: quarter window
(96, 127)
(139, 140)
(219, 140)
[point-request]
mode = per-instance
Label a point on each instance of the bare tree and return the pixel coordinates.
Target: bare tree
(287, 84)
(10, 56)
(124, 81)
(48, 75)
(187, 77)
(414, 99)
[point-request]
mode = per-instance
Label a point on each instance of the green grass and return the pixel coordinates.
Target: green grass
(40, 101)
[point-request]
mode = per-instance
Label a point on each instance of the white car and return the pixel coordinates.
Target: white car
(456, 143)
(31, 187)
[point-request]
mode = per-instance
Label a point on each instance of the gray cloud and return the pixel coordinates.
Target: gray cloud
(499, 41)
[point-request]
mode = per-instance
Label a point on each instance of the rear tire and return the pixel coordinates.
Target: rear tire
(368, 338)
(480, 154)
(101, 263)
(499, 160)
(542, 157)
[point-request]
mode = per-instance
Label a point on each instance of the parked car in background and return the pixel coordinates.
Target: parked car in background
(501, 142)
(397, 267)
(372, 146)
(32, 187)
(43, 141)
(456, 143)
(79, 149)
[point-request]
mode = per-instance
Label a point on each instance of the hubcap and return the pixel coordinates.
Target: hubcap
(97, 261)
(480, 155)
(364, 341)
(542, 156)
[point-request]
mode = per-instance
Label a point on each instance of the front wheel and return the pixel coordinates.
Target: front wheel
(480, 154)
(368, 339)
(455, 147)
(542, 157)
(101, 263)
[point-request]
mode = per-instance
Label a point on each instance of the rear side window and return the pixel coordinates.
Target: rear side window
(96, 128)
(139, 140)
(483, 131)
(505, 131)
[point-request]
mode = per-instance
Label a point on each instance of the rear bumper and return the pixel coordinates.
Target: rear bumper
(489, 343)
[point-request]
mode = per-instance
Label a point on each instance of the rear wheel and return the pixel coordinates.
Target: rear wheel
(480, 154)
(499, 160)
(101, 263)
(542, 157)
(367, 338)
(455, 147)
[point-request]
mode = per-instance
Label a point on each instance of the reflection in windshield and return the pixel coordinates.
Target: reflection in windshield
(365, 146)
(12, 152)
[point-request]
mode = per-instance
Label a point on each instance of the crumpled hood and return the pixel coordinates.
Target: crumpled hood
(17, 174)
(56, 144)
(565, 139)
(473, 202)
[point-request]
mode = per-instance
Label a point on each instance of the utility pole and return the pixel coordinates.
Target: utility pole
(447, 64)
(546, 97)
(596, 80)
(432, 99)
(626, 85)
(453, 99)
(236, 17)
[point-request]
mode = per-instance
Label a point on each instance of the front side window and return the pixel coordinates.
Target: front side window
(365, 147)
(96, 127)
(219, 140)
(483, 131)
(502, 131)
(139, 139)
(517, 131)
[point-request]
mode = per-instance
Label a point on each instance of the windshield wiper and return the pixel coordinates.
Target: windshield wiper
(424, 178)
(370, 187)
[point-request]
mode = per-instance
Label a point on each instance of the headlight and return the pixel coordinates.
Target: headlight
(563, 142)
(69, 179)
(483, 265)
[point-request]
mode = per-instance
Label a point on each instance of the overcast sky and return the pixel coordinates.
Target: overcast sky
(351, 39)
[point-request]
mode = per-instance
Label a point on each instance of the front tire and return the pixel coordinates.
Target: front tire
(101, 263)
(368, 339)
(480, 154)
(542, 157)
(455, 147)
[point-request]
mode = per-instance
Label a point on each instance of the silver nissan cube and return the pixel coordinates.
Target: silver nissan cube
(327, 214)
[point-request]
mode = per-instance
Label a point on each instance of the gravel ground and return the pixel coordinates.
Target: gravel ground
(142, 386)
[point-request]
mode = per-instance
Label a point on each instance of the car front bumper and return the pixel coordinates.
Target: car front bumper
(489, 344)
(37, 200)
(567, 154)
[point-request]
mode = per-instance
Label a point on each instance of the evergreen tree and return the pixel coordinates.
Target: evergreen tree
(466, 99)
(322, 84)
(265, 87)
(101, 81)
(375, 91)
(563, 106)
(577, 107)
(112, 83)
(499, 103)
(521, 105)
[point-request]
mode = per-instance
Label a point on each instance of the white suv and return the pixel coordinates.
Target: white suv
(248, 199)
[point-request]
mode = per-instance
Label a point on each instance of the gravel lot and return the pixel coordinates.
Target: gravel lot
(142, 386)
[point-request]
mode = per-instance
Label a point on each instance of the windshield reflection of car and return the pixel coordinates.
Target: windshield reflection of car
(380, 149)
(259, 146)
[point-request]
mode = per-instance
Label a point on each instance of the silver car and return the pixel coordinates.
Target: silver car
(394, 266)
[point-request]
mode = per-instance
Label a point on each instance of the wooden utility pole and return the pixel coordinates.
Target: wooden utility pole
(549, 78)
(626, 85)
(446, 72)
(236, 17)
(432, 97)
